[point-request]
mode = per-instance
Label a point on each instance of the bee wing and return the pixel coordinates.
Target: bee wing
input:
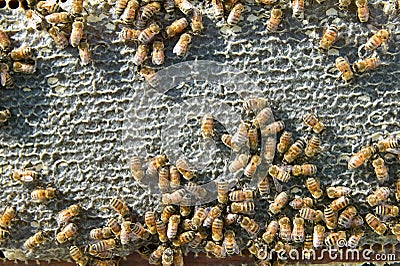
(277, 185)
(394, 151)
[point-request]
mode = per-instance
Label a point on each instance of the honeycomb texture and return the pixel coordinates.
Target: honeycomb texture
(79, 125)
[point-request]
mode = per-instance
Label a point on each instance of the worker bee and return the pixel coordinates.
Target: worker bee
(274, 20)
(84, 53)
(313, 147)
(279, 173)
(24, 68)
(347, 216)
(181, 46)
(167, 212)
(229, 244)
(379, 38)
(4, 115)
(318, 236)
(313, 186)
(5, 42)
(196, 21)
(78, 256)
(298, 234)
(388, 143)
(366, 64)
(217, 250)
(150, 221)
(339, 203)
(114, 226)
(308, 248)
(241, 195)
(362, 10)
(355, 238)
(357, 159)
(376, 225)
(167, 257)
(198, 217)
(184, 169)
(328, 38)
(284, 142)
(273, 128)
(156, 255)
(147, 35)
(41, 195)
(212, 215)
(175, 197)
(104, 245)
(173, 224)
(335, 239)
(218, 9)
(285, 229)
(101, 233)
(161, 231)
(120, 207)
(240, 139)
(304, 169)
(263, 185)
(65, 215)
(222, 191)
(234, 14)
(231, 218)
(216, 229)
(279, 202)
(313, 122)
(357, 222)
(330, 218)
(198, 238)
(77, 7)
(250, 226)
(207, 126)
(254, 106)
(120, 6)
(185, 6)
(66, 233)
(163, 179)
(256, 249)
(76, 33)
(129, 34)
(176, 27)
(48, 7)
(337, 192)
(175, 177)
(187, 225)
(135, 166)
(58, 18)
(263, 117)
(311, 214)
(59, 37)
(21, 53)
(24, 176)
(380, 195)
(141, 54)
(270, 232)
(238, 163)
(185, 208)
(149, 10)
(343, 4)
(298, 8)
(6, 79)
(294, 151)
(299, 203)
(178, 257)
(381, 170)
(342, 64)
(387, 210)
(244, 207)
(196, 190)
(251, 167)
(126, 234)
(269, 149)
(158, 53)
(34, 241)
(398, 189)
(184, 238)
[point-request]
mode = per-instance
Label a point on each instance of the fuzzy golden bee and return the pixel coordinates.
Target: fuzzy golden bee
(184, 169)
(5, 42)
(84, 53)
(120, 6)
(41, 195)
(299, 203)
(343, 4)
(77, 7)
(343, 65)
(230, 245)
(198, 238)
(381, 170)
(198, 217)
(339, 203)
(158, 56)
(311, 214)
(388, 143)
(376, 225)
(387, 210)
(48, 7)
(253, 138)
(334, 239)
(313, 147)
(250, 226)
(140, 55)
(120, 207)
(241, 195)
(126, 234)
(163, 179)
(24, 176)
(279, 173)
(175, 197)
(268, 151)
(346, 217)
(101, 233)
(216, 229)
(222, 191)
(298, 233)
(135, 166)
(362, 10)
(218, 9)
(66, 233)
(379, 196)
(304, 170)
(313, 186)
(6, 79)
(275, 19)
(181, 47)
(245, 207)
(366, 64)
(150, 221)
(318, 236)
(207, 126)
(167, 212)
(212, 215)
(21, 53)
(161, 231)
(24, 68)
(77, 32)
(279, 202)
(357, 159)
(234, 14)
(34, 241)
(238, 163)
(184, 238)
(263, 185)
(147, 35)
(156, 255)
(196, 190)
(338, 191)
(273, 128)
(173, 224)
(285, 141)
(149, 10)
(217, 250)
(251, 167)
(185, 6)
(255, 105)
(101, 246)
(176, 27)
(330, 218)
(78, 256)
(114, 226)
(355, 238)
(285, 229)
(128, 34)
(379, 38)
(196, 21)
(167, 257)
(59, 37)
(65, 215)
(58, 18)
(294, 151)
(256, 249)
(312, 121)
(298, 8)
(270, 232)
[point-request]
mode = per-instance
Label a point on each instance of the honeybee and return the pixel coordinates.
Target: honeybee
(120, 6)
(175, 177)
(184, 169)
(114, 226)
(178, 257)
(120, 207)
(167, 257)
(357, 221)
(343, 4)
(241, 195)
(376, 225)
(330, 218)
(77, 7)
(255, 248)
(156, 255)
(196, 190)
(381, 170)
(104, 245)
(59, 37)
(181, 46)
(48, 7)
(313, 186)
(263, 118)
(366, 64)
(231, 218)
(274, 20)
(65, 215)
(167, 212)
(58, 18)
(198, 238)
(229, 243)
(126, 234)
(343, 65)
(5, 42)
(279, 202)
(149, 10)
(41, 195)
(184, 238)
(270, 232)
(318, 236)
(4, 115)
(388, 143)
(284, 142)
(129, 13)
(298, 8)
(176, 27)
(135, 166)
(163, 179)
(150, 221)
(234, 14)
(308, 248)
(250, 226)
(129, 34)
(294, 151)
(311, 214)
(212, 215)
(313, 147)
(387, 210)
(337, 192)
(101, 233)
(158, 53)
(254, 106)
(244, 207)
(240, 139)
(217, 250)
(147, 35)
(379, 38)
(218, 9)
(279, 173)
(77, 32)
(238, 163)
(173, 224)
(380, 195)
(66, 233)
(251, 167)
(333, 238)
(34, 241)
(273, 128)
(196, 21)
(263, 185)
(355, 238)
(347, 216)
(175, 197)
(161, 231)
(357, 159)
(24, 68)
(21, 53)
(299, 203)
(304, 169)
(269, 149)
(285, 229)
(339, 203)
(207, 126)
(298, 234)
(78, 256)
(223, 190)
(398, 189)
(362, 10)
(24, 176)
(84, 53)
(185, 206)
(198, 217)
(141, 54)
(6, 79)
(328, 38)
(216, 229)
(313, 122)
